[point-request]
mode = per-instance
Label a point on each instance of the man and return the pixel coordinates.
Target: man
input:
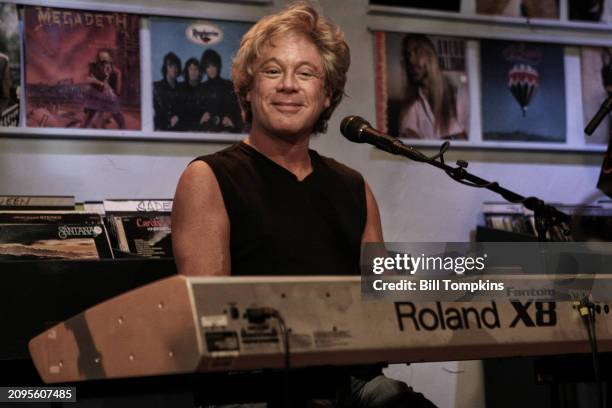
(430, 109)
(221, 109)
(166, 94)
(269, 205)
(105, 83)
(191, 97)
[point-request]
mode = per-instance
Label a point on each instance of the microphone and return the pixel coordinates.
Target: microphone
(358, 130)
(604, 109)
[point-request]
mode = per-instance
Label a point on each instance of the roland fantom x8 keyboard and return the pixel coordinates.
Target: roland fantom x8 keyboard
(183, 325)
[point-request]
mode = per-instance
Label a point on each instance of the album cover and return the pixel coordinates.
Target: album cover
(139, 227)
(10, 66)
(29, 236)
(141, 235)
(421, 86)
(191, 69)
(116, 205)
(523, 91)
(14, 202)
(82, 69)
(596, 78)
(604, 183)
(49, 217)
(443, 5)
(590, 10)
(519, 8)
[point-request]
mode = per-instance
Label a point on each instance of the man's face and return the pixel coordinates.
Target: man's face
(171, 70)
(212, 71)
(416, 62)
(288, 92)
(105, 60)
(194, 73)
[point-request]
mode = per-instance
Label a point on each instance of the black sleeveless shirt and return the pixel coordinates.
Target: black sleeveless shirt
(282, 226)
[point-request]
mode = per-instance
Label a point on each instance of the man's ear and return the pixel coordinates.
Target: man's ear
(328, 95)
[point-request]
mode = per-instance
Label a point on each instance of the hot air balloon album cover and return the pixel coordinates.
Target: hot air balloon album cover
(9, 65)
(421, 86)
(596, 72)
(523, 91)
(191, 63)
(520, 8)
(82, 69)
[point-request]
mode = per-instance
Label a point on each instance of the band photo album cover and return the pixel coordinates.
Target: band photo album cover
(523, 91)
(520, 8)
(191, 69)
(82, 69)
(421, 86)
(10, 66)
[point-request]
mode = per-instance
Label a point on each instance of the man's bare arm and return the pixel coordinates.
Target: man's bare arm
(373, 228)
(200, 224)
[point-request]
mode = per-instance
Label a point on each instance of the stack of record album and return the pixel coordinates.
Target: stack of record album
(139, 228)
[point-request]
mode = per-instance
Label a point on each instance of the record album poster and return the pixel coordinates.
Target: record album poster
(523, 91)
(443, 5)
(520, 8)
(421, 86)
(10, 71)
(82, 69)
(590, 10)
(191, 69)
(604, 183)
(596, 74)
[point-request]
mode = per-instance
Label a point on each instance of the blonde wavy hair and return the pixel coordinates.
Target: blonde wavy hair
(298, 18)
(441, 96)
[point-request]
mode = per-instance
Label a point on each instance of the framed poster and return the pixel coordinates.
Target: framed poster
(421, 86)
(519, 8)
(82, 69)
(523, 92)
(442, 5)
(191, 71)
(597, 11)
(10, 67)
(596, 79)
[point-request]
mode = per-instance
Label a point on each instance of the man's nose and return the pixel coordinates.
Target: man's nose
(288, 82)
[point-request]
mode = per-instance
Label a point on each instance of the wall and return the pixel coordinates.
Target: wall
(417, 202)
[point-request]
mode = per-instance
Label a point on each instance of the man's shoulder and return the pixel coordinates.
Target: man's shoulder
(226, 157)
(219, 83)
(158, 85)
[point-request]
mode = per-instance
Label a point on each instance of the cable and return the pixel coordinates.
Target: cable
(260, 315)
(586, 309)
(285, 333)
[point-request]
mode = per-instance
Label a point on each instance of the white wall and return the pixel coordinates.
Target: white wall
(417, 202)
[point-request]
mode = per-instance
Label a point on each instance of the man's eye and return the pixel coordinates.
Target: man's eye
(306, 74)
(271, 71)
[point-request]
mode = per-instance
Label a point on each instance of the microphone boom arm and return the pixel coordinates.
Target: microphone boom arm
(354, 129)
